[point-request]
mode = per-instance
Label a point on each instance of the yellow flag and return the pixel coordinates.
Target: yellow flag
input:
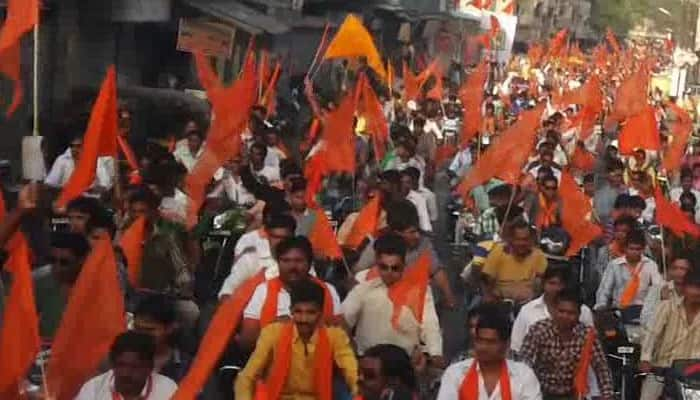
(353, 40)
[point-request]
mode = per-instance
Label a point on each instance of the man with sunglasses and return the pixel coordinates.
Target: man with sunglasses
(545, 210)
(368, 309)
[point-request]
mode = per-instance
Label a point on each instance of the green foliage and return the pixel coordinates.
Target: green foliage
(620, 15)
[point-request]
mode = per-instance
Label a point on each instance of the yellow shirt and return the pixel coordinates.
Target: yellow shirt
(514, 278)
(300, 379)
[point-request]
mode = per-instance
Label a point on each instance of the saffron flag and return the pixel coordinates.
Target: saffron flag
(437, 91)
(314, 172)
(672, 217)
(339, 138)
(131, 244)
(366, 224)
(575, 204)
(582, 159)
(269, 99)
(506, 157)
(19, 334)
(612, 40)
(558, 43)
(323, 238)
(353, 40)
(377, 125)
(472, 96)
(411, 289)
(681, 128)
(640, 131)
(223, 325)
(410, 84)
(631, 96)
(100, 140)
(93, 317)
(22, 16)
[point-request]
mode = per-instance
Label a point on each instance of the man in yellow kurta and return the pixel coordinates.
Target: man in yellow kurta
(296, 359)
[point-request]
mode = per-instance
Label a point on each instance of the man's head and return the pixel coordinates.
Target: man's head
(678, 269)
(402, 219)
(520, 238)
(568, 310)
(410, 177)
(76, 147)
(100, 226)
(691, 287)
(195, 138)
(637, 206)
(499, 195)
(390, 251)
(385, 367)
(143, 203)
(132, 356)
(67, 254)
(554, 281)
(279, 227)
(547, 158)
(257, 154)
(615, 172)
(492, 338)
(390, 184)
(687, 179)
(548, 187)
(294, 257)
(80, 210)
(622, 227)
(306, 309)
(155, 316)
(634, 248)
(296, 194)
(589, 185)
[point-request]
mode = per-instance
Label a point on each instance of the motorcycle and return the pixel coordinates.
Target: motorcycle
(681, 380)
(621, 345)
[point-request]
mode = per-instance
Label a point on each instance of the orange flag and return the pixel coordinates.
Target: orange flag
(22, 17)
(231, 106)
(472, 96)
(640, 131)
(495, 27)
(681, 129)
(131, 244)
(93, 317)
(612, 41)
(505, 158)
(581, 377)
(575, 204)
(535, 53)
(411, 289)
(323, 238)
(410, 84)
(128, 153)
(314, 172)
(582, 159)
(366, 224)
(100, 140)
(558, 42)
(353, 40)
(339, 146)
(437, 91)
(222, 327)
(19, 335)
(671, 216)
(631, 96)
(269, 99)
(377, 124)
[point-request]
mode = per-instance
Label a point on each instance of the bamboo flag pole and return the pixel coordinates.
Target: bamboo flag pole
(35, 120)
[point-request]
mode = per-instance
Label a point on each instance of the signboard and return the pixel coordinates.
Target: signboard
(214, 40)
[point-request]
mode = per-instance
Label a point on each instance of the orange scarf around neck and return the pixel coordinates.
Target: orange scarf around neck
(632, 287)
(469, 390)
(275, 286)
(323, 364)
(581, 377)
(547, 214)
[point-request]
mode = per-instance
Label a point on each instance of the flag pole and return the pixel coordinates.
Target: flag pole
(663, 254)
(318, 50)
(35, 120)
(510, 205)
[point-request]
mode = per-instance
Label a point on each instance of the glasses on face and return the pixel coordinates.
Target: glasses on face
(389, 268)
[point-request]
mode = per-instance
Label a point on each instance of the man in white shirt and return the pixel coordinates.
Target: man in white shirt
(264, 173)
(368, 309)
(132, 376)
(190, 154)
(231, 185)
(63, 167)
(254, 252)
(411, 176)
(483, 376)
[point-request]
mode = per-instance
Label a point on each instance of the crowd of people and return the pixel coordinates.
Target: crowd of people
(330, 285)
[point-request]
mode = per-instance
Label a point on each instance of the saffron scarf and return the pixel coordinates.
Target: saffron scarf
(547, 215)
(274, 287)
(469, 390)
(632, 287)
(581, 377)
(323, 364)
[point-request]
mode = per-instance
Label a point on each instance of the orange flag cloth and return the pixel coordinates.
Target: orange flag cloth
(377, 124)
(339, 146)
(231, 106)
(575, 205)
(314, 172)
(506, 157)
(640, 131)
(22, 17)
(437, 92)
(353, 40)
(670, 216)
(93, 317)
(582, 159)
(100, 140)
(323, 238)
(269, 99)
(472, 96)
(612, 41)
(19, 335)
(131, 244)
(681, 129)
(630, 97)
(411, 290)
(581, 377)
(322, 364)
(223, 325)
(558, 43)
(411, 85)
(366, 224)
(535, 53)
(469, 389)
